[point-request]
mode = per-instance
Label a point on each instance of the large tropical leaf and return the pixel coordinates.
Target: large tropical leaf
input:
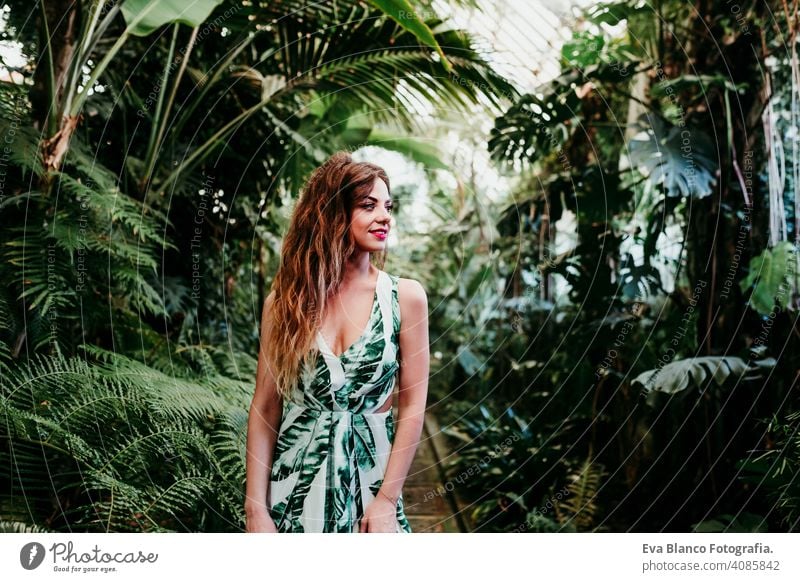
(145, 16)
(407, 17)
(768, 276)
(678, 375)
(541, 122)
(537, 123)
(415, 149)
(677, 158)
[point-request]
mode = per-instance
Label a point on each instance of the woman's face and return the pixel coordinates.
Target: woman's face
(371, 217)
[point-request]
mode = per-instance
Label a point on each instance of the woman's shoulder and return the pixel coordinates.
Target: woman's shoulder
(409, 291)
(412, 301)
(405, 283)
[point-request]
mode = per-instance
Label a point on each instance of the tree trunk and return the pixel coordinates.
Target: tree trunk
(59, 23)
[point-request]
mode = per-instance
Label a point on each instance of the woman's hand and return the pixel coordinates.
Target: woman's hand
(379, 517)
(259, 521)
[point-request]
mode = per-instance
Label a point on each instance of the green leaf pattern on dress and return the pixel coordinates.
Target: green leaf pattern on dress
(332, 449)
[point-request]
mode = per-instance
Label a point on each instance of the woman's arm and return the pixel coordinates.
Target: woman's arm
(413, 391)
(262, 425)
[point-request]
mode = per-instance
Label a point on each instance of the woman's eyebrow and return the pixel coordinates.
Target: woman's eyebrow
(375, 199)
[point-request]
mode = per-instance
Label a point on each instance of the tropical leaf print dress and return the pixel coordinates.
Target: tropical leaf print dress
(333, 447)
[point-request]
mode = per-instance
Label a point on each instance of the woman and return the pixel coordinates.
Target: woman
(323, 452)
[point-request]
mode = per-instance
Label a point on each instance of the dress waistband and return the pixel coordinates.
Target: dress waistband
(316, 411)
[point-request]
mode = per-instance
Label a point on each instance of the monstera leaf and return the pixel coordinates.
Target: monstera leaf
(676, 376)
(541, 122)
(677, 158)
(537, 123)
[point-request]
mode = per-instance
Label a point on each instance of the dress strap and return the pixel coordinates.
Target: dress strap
(395, 310)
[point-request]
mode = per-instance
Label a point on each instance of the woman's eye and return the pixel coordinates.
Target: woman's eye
(372, 207)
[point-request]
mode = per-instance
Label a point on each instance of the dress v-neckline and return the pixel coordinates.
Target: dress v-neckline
(366, 327)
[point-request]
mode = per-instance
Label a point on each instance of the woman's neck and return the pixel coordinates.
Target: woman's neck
(357, 270)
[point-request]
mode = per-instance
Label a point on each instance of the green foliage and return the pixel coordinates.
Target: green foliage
(20, 527)
(774, 471)
(742, 523)
(583, 49)
(145, 16)
(615, 13)
(676, 158)
(112, 444)
(537, 123)
(577, 512)
(132, 193)
(770, 274)
(677, 376)
(544, 386)
(353, 59)
(404, 13)
(414, 149)
(497, 454)
(622, 139)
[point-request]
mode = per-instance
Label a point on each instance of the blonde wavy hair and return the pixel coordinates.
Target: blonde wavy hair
(313, 255)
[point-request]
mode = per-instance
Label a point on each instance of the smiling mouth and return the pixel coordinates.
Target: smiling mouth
(380, 234)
